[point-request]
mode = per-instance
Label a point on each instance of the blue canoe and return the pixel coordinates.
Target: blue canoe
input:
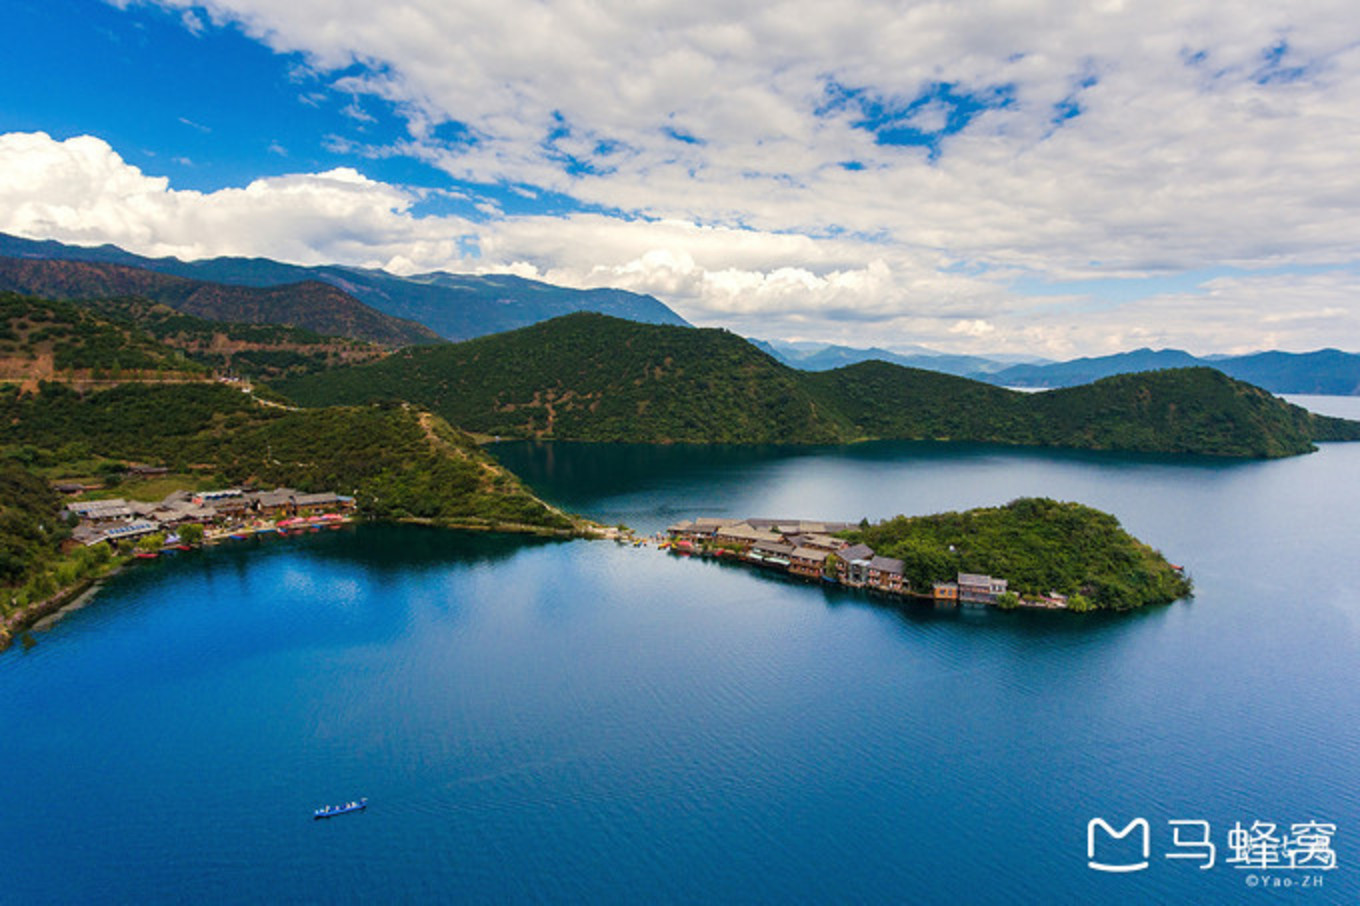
(330, 811)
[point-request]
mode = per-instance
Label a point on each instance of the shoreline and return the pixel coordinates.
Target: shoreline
(729, 558)
(71, 598)
(43, 614)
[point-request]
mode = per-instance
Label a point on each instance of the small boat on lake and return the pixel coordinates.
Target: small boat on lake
(330, 811)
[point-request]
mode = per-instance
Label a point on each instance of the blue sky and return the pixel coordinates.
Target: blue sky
(974, 177)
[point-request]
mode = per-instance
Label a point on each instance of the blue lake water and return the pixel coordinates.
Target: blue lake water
(579, 721)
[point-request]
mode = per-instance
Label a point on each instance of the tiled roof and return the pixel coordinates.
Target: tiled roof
(857, 552)
(887, 565)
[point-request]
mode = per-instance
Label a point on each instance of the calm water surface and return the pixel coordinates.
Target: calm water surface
(539, 721)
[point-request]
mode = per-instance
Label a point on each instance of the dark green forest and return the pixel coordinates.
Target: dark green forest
(590, 377)
(596, 378)
(30, 528)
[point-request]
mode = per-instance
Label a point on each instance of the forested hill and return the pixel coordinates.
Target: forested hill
(255, 351)
(106, 341)
(1328, 371)
(50, 340)
(313, 305)
(591, 377)
(1184, 410)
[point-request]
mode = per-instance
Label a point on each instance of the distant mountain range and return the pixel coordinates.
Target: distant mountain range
(1325, 371)
(311, 304)
(590, 377)
(455, 306)
(809, 356)
(383, 308)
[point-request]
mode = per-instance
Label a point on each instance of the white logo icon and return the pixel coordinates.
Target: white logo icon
(1139, 824)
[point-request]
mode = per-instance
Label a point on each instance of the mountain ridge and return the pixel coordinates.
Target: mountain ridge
(1324, 371)
(310, 304)
(454, 306)
(590, 377)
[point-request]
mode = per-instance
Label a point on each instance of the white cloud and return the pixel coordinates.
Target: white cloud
(931, 117)
(975, 327)
(80, 190)
(1147, 176)
(1207, 136)
(1238, 314)
(747, 78)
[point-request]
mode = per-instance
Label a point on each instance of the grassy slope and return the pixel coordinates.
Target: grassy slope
(595, 378)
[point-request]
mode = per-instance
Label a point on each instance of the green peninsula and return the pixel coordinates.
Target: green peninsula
(1040, 546)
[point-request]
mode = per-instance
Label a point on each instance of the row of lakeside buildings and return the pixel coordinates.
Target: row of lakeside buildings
(116, 520)
(811, 550)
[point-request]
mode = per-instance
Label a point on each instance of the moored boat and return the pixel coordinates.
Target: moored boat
(330, 811)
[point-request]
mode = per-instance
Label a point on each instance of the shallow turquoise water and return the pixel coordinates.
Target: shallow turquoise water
(581, 721)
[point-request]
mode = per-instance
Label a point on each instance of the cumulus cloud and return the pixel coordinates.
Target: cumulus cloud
(759, 283)
(80, 190)
(750, 147)
(1202, 134)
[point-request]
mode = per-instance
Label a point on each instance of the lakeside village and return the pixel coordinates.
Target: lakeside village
(810, 551)
(230, 513)
(802, 549)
